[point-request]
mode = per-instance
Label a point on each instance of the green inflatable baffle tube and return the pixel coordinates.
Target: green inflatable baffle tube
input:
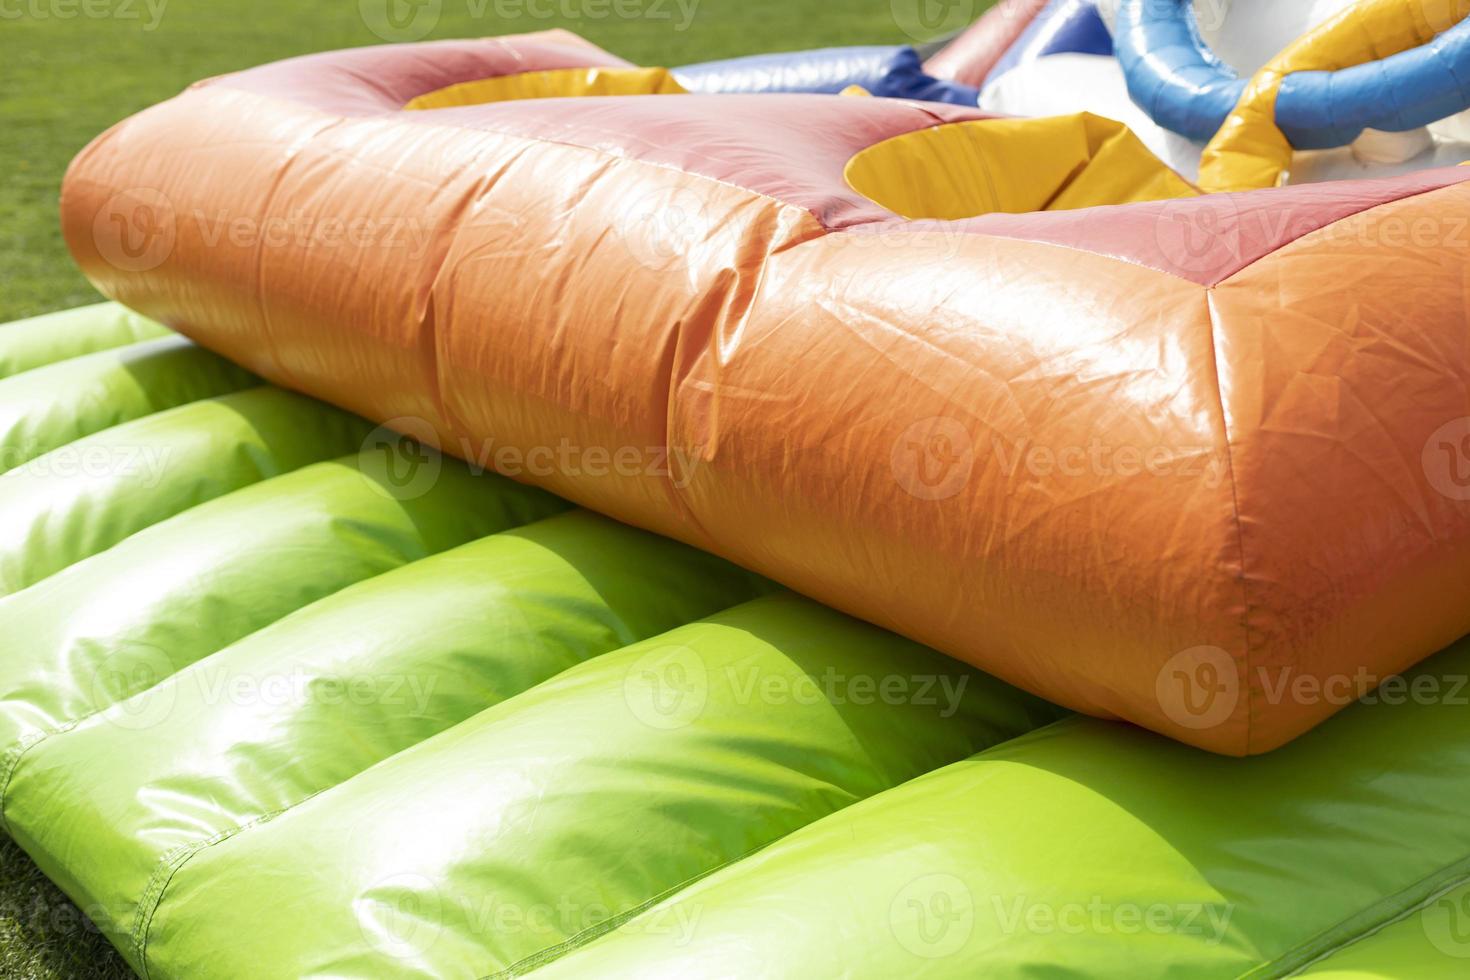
(53, 337)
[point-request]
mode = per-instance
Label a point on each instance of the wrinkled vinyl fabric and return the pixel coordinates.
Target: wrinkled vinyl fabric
(301, 700)
(295, 619)
(1152, 461)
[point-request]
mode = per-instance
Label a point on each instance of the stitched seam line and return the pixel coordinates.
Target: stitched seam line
(13, 758)
(1368, 210)
(1364, 924)
(542, 957)
(1245, 616)
(170, 864)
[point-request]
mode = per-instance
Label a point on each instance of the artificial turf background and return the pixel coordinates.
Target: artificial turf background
(71, 68)
(63, 79)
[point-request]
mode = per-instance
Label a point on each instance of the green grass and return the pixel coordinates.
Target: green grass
(62, 81)
(42, 935)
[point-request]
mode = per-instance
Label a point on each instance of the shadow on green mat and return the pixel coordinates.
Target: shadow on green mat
(43, 936)
(64, 77)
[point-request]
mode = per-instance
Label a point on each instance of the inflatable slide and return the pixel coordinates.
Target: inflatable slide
(520, 515)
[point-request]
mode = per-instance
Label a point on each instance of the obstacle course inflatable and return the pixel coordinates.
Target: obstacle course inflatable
(792, 276)
(545, 520)
(1244, 93)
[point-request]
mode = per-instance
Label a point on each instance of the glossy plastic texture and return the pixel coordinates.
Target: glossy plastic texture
(1062, 27)
(1398, 64)
(1095, 850)
(91, 494)
(56, 404)
(1154, 448)
(1016, 166)
(893, 72)
(327, 692)
(368, 638)
(1172, 74)
(969, 58)
(41, 340)
(359, 748)
(621, 780)
(1391, 65)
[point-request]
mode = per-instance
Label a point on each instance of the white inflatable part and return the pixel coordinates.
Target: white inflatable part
(1064, 83)
(1456, 128)
(1245, 34)
(1376, 146)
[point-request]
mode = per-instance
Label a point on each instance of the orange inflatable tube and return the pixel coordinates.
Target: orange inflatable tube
(1198, 463)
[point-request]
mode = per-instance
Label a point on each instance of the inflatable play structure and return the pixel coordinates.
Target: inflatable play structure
(522, 515)
(1237, 93)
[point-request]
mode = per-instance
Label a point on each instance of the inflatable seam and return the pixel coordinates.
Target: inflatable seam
(258, 290)
(171, 863)
(430, 323)
(679, 367)
(596, 931)
(1381, 915)
(1309, 233)
(1245, 615)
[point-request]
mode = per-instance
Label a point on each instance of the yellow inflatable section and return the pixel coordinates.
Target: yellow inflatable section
(1250, 151)
(556, 84)
(1056, 163)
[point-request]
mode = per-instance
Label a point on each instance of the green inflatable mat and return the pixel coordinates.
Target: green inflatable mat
(284, 695)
